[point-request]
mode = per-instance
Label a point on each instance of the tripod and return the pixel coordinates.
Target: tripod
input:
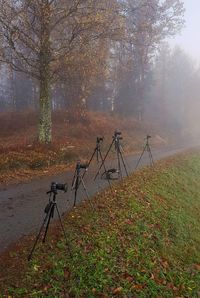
(148, 149)
(97, 151)
(49, 210)
(99, 157)
(120, 159)
(78, 179)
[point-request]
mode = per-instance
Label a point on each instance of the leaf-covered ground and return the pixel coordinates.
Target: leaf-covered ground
(142, 239)
(22, 158)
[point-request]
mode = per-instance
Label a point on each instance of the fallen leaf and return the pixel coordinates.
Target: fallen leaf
(137, 287)
(197, 267)
(117, 290)
(152, 276)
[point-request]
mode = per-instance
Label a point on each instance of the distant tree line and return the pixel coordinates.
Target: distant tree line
(175, 89)
(82, 55)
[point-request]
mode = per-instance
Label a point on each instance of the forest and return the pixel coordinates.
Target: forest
(99, 149)
(105, 56)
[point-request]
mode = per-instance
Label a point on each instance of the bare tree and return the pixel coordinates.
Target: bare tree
(38, 35)
(148, 22)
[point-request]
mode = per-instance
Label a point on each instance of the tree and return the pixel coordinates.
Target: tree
(148, 22)
(174, 92)
(38, 35)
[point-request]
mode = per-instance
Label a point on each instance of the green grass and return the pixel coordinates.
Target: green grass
(142, 240)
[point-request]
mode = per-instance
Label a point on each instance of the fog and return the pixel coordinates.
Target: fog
(189, 39)
(136, 61)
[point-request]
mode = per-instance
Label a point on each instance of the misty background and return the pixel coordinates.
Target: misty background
(149, 70)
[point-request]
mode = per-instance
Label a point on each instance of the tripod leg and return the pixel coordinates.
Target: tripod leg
(98, 151)
(51, 212)
(95, 150)
(38, 236)
(74, 179)
(152, 161)
(141, 157)
(75, 195)
(119, 164)
(65, 235)
(122, 158)
(104, 167)
(85, 189)
(104, 160)
(77, 183)
(150, 157)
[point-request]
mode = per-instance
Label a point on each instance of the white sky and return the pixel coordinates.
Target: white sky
(189, 39)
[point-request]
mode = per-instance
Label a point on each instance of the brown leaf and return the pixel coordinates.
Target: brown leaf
(196, 267)
(164, 263)
(94, 290)
(128, 222)
(117, 290)
(152, 276)
(129, 278)
(101, 206)
(66, 274)
(137, 287)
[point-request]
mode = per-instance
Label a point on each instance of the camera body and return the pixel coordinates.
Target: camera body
(58, 186)
(99, 139)
(81, 166)
(117, 135)
(148, 136)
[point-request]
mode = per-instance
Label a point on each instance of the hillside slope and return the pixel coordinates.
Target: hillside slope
(141, 240)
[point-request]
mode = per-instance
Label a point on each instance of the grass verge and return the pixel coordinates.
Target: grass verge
(142, 240)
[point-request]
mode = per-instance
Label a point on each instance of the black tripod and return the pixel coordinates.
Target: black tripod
(120, 159)
(97, 151)
(99, 157)
(148, 149)
(78, 180)
(49, 210)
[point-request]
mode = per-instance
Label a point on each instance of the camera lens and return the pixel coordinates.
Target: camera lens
(60, 186)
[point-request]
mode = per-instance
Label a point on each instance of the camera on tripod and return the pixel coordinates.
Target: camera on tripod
(81, 166)
(58, 186)
(99, 139)
(117, 132)
(49, 210)
(148, 136)
(117, 135)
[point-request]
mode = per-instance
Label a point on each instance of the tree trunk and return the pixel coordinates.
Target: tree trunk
(45, 133)
(45, 126)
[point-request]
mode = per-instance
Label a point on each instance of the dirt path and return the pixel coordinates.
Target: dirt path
(22, 206)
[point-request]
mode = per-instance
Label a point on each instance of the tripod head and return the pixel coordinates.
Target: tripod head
(117, 138)
(98, 144)
(80, 166)
(117, 135)
(147, 138)
(99, 140)
(77, 173)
